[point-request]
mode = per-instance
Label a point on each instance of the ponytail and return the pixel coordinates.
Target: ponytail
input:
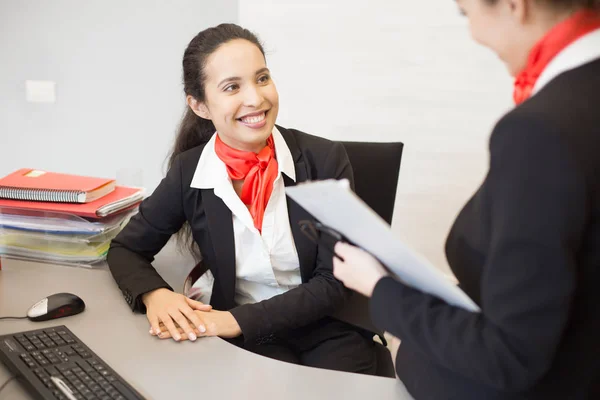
(193, 131)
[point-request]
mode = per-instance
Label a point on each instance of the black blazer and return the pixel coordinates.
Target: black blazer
(526, 248)
(174, 202)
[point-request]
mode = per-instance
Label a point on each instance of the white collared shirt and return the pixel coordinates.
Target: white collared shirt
(267, 264)
(582, 51)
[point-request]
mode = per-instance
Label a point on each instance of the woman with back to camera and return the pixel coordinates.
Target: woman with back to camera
(526, 246)
(273, 290)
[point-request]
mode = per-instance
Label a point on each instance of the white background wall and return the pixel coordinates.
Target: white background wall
(117, 65)
(390, 70)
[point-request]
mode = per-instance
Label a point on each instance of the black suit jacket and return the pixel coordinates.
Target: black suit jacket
(526, 248)
(174, 202)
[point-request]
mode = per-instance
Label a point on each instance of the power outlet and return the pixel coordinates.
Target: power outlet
(40, 91)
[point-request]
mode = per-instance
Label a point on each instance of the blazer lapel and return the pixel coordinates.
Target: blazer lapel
(307, 250)
(220, 226)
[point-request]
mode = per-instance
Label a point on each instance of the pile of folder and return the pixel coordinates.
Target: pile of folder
(61, 218)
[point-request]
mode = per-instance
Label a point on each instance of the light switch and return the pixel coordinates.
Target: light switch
(40, 91)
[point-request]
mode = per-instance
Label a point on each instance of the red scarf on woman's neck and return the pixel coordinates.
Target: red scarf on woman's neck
(258, 171)
(555, 41)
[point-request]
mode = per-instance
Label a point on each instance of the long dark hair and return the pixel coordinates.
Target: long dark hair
(194, 130)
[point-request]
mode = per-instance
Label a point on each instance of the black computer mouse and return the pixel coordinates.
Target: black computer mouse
(56, 306)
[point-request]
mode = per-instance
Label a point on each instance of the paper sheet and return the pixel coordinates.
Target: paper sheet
(335, 205)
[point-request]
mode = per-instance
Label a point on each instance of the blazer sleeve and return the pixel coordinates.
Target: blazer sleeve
(131, 253)
(310, 301)
(538, 209)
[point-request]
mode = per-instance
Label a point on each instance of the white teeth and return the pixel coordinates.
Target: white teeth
(253, 119)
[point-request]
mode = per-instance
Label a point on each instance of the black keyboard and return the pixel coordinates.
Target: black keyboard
(35, 356)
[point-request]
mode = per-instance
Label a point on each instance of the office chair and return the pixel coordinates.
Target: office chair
(376, 168)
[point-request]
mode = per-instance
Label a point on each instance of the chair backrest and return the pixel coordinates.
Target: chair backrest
(376, 169)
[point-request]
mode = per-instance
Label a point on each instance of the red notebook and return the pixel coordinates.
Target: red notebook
(36, 185)
(122, 198)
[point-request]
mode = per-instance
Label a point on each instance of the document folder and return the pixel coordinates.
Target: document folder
(335, 205)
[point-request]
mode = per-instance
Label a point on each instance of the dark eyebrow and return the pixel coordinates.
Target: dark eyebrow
(231, 79)
(237, 78)
(260, 71)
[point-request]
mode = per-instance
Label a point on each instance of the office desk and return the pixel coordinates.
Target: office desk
(164, 369)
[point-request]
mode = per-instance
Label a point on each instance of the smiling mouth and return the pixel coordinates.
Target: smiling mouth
(254, 118)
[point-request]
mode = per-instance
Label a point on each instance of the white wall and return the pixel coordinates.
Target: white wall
(117, 65)
(390, 70)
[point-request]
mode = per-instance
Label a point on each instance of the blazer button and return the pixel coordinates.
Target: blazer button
(128, 296)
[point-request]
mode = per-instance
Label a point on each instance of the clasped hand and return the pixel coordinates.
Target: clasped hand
(173, 315)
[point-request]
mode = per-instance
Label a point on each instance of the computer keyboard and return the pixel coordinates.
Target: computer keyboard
(34, 356)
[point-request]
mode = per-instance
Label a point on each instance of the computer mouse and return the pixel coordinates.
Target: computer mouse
(56, 306)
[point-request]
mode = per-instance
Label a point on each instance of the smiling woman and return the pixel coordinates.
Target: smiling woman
(239, 96)
(225, 195)
(218, 95)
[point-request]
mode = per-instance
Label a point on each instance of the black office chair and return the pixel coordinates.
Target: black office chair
(376, 168)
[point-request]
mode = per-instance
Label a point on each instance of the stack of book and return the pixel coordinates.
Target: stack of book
(61, 218)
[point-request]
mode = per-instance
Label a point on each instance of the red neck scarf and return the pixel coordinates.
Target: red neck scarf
(258, 171)
(556, 40)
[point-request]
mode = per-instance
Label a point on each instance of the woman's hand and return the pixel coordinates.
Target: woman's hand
(169, 308)
(359, 271)
(217, 323)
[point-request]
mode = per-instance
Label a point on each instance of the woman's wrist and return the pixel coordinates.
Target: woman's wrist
(233, 329)
(377, 277)
(147, 295)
